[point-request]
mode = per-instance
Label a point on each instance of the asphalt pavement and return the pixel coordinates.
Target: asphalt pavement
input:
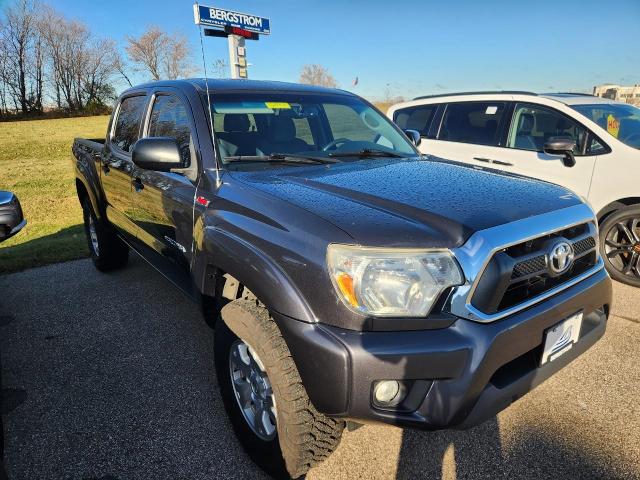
(110, 376)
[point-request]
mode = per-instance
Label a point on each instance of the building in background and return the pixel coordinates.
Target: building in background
(618, 92)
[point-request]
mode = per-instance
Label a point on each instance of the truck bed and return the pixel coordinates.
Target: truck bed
(89, 143)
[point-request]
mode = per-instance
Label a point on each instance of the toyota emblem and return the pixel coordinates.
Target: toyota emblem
(561, 257)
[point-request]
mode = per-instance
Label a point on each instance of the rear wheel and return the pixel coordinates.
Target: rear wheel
(620, 245)
(107, 250)
(264, 397)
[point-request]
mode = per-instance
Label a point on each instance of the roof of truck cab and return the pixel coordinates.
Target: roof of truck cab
(242, 85)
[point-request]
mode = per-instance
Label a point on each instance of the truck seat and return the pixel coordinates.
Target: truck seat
(237, 138)
(281, 138)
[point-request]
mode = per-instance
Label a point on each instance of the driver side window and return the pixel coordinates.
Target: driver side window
(533, 125)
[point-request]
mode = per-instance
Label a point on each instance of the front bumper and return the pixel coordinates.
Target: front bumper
(463, 374)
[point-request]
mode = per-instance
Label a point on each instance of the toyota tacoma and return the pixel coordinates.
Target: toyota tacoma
(347, 276)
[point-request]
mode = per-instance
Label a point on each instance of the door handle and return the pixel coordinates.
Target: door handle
(495, 162)
(137, 184)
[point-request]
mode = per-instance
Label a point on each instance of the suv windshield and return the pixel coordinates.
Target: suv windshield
(277, 126)
(620, 120)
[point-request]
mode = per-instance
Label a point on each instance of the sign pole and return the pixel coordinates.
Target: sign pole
(237, 56)
(237, 27)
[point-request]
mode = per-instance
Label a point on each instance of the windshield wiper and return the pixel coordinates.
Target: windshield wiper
(367, 153)
(279, 157)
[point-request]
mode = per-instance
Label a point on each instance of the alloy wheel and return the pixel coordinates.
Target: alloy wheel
(253, 390)
(93, 236)
(622, 247)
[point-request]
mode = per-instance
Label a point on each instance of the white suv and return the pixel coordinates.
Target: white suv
(588, 144)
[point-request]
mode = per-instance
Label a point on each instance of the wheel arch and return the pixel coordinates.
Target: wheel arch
(84, 192)
(227, 268)
(615, 206)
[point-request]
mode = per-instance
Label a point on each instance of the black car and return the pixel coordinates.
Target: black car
(11, 222)
(347, 276)
(11, 216)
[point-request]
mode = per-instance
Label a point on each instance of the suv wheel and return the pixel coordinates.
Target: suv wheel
(264, 397)
(620, 245)
(107, 250)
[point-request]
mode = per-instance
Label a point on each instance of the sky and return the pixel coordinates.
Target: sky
(409, 48)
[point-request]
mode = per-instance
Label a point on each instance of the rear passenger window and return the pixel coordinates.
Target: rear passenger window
(532, 126)
(415, 118)
(127, 127)
(474, 122)
(169, 118)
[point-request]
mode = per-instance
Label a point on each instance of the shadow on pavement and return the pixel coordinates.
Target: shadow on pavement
(479, 454)
(67, 244)
(112, 378)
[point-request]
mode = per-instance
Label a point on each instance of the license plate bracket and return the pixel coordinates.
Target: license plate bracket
(560, 338)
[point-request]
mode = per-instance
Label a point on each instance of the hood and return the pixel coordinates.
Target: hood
(424, 202)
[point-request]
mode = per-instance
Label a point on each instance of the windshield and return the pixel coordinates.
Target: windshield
(273, 126)
(620, 120)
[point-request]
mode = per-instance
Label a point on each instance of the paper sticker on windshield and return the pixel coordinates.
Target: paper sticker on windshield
(491, 110)
(613, 126)
(278, 105)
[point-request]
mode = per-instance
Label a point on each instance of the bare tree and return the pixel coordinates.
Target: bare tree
(160, 54)
(317, 75)
(4, 73)
(80, 67)
(22, 56)
(220, 68)
(121, 67)
(100, 62)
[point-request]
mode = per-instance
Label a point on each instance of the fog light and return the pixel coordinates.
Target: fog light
(387, 393)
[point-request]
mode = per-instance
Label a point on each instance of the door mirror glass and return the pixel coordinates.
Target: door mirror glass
(414, 136)
(561, 146)
(157, 153)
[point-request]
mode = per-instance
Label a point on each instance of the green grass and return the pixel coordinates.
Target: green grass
(35, 163)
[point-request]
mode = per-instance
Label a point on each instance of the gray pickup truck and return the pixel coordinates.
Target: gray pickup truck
(347, 276)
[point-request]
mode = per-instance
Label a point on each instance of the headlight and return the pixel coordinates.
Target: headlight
(392, 282)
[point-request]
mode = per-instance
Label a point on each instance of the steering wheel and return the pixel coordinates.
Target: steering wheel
(335, 143)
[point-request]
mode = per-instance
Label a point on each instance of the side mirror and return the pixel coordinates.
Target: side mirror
(414, 136)
(157, 153)
(561, 146)
(11, 217)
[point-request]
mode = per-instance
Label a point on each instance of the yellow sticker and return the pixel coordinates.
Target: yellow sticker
(278, 105)
(613, 126)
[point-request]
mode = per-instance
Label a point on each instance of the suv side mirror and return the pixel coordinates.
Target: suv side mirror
(561, 146)
(414, 136)
(157, 153)
(11, 217)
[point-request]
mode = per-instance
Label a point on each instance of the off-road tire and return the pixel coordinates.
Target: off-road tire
(112, 253)
(625, 215)
(304, 437)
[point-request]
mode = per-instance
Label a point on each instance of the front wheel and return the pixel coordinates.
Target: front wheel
(107, 250)
(620, 245)
(264, 397)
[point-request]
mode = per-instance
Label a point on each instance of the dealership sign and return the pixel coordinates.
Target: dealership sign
(220, 18)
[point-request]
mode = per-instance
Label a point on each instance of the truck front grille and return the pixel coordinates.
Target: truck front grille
(522, 271)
